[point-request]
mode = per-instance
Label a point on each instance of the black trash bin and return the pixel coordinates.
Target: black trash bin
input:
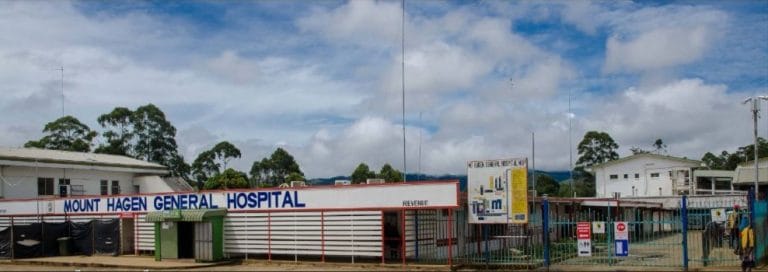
(64, 246)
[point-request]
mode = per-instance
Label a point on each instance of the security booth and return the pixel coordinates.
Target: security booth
(181, 234)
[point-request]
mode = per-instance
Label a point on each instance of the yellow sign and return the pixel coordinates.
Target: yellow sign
(518, 196)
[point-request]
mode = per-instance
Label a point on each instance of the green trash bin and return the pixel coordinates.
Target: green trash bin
(64, 243)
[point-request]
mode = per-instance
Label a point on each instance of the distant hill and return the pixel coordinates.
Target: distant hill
(559, 176)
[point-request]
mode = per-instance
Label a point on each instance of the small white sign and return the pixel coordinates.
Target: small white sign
(598, 227)
(719, 215)
(585, 248)
(621, 229)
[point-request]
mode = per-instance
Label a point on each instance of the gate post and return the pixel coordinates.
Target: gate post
(487, 252)
(545, 229)
(684, 218)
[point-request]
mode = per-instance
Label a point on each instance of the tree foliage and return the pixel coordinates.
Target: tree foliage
(390, 174)
(595, 148)
(155, 136)
(228, 179)
(546, 185)
(362, 173)
(729, 161)
(275, 169)
(66, 133)
(119, 132)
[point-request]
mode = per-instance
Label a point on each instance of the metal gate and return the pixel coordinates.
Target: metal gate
(203, 241)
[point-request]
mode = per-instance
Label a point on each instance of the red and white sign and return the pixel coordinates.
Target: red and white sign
(583, 230)
(621, 230)
(583, 236)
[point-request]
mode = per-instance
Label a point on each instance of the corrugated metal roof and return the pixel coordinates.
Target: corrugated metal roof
(746, 175)
(69, 157)
(692, 163)
(178, 184)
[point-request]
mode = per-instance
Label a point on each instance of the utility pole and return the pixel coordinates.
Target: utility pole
(62, 90)
(402, 79)
(755, 111)
(570, 144)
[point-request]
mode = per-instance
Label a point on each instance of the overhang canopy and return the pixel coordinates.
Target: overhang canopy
(184, 215)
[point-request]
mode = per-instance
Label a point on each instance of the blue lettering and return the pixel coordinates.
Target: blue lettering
(203, 202)
(95, 204)
(193, 201)
(262, 196)
(252, 201)
(231, 200)
(158, 203)
(276, 197)
(110, 204)
(210, 199)
(296, 200)
(242, 200)
(183, 202)
(287, 200)
(67, 206)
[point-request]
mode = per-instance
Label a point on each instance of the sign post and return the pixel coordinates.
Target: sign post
(622, 238)
(584, 239)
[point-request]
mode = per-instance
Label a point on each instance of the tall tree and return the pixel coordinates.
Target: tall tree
(228, 179)
(205, 166)
(275, 169)
(390, 174)
(660, 146)
(260, 172)
(282, 164)
(66, 133)
(595, 148)
(362, 173)
(546, 185)
(180, 168)
(225, 151)
(119, 132)
(155, 136)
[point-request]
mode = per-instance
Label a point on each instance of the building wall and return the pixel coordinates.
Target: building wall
(21, 182)
(151, 184)
(644, 185)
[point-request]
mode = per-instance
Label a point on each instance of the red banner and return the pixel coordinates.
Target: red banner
(583, 230)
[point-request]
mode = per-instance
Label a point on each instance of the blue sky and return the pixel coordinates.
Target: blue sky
(323, 78)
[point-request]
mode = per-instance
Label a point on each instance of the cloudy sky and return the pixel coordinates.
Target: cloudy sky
(323, 78)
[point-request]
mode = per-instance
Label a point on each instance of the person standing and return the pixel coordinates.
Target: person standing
(733, 228)
(747, 251)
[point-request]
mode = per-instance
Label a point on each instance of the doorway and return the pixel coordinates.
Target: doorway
(393, 239)
(127, 235)
(186, 240)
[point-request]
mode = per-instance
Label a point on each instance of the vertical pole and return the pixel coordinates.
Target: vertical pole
(450, 238)
(269, 236)
(487, 252)
(755, 110)
(609, 231)
(322, 236)
(13, 255)
(684, 217)
(402, 236)
(416, 231)
(402, 70)
(135, 233)
(383, 237)
(545, 229)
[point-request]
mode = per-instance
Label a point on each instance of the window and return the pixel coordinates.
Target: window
(136, 189)
(614, 177)
(63, 190)
(655, 175)
(115, 187)
(44, 186)
(104, 187)
(626, 176)
(637, 176)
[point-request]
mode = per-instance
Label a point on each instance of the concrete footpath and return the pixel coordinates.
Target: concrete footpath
(134, 262)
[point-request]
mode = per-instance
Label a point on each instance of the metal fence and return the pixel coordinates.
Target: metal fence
(683, 232)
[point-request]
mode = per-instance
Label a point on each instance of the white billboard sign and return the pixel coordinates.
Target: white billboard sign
(357, 197)
(498, 191)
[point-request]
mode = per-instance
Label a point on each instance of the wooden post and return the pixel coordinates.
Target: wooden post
(269, 236)
(322, 236)
(450, 237)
